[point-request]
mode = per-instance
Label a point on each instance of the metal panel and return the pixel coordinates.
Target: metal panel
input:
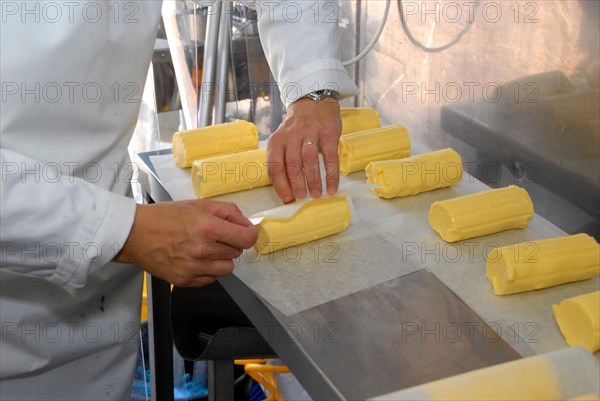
(515, 92)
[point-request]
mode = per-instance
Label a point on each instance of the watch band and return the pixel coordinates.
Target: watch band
(321, 94)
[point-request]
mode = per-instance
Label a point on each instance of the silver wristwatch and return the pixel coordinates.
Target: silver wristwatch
(321, 94)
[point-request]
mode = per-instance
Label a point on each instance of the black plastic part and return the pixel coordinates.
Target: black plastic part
(207, 324)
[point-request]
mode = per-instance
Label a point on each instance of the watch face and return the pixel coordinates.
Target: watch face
(316, 96)
(321, 94)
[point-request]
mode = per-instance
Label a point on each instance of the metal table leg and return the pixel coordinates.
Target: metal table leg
(160, 339)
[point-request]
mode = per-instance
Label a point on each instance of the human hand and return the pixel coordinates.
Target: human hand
(187, 243)
(293, 150)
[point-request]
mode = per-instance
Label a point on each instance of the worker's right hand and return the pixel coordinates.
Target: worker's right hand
(187, 243)
(293, 150)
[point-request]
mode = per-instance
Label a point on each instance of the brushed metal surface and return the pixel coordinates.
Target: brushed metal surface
(404, 332)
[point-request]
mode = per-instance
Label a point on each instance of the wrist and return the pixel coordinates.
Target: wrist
(328, 106)
(129, 252)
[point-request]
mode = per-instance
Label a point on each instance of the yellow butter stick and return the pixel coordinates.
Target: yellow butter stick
(481, 213)
(359, 149)
(316, 219)
(214, 140)
(558, 375)
(585, 397)
(524, 379)
(230, 173)
(415, 174)
(356, 119)
(533, 265)
(579, 320)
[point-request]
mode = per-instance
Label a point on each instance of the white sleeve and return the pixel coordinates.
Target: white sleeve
(55, 226)
(301, 40)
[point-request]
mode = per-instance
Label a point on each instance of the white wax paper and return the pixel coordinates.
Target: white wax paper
(388, 239)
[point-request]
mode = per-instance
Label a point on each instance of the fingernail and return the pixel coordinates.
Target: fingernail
(315, 193)
(300, 194)
(331, 190)
(289, 200)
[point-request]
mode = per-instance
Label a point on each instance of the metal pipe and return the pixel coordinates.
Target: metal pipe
(357, 47)
(223, 61)
(209, 65)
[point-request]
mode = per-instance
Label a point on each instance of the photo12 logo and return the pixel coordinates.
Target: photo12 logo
(69, 332)
(317, 252)
(67, 172)
(52, 253)
(468, 91)
(316, 332)
(69, 92)
(54, 12)
(472, 332)
(470, 11)
(468, 252)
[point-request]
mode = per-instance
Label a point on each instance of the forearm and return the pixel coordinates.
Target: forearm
(56, 226)
(303, 49)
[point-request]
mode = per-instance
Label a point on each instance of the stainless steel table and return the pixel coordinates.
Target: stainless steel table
(424, 314)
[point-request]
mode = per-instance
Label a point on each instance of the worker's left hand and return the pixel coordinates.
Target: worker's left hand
(309, 128)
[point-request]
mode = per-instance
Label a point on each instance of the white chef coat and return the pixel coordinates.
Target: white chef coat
(301, 41)
(72, 75)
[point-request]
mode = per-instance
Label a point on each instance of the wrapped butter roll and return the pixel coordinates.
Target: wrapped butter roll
(356, 119)
(315, 219)
(359, 149)
(533, 265)
(230, 173)
(481, 213)
(415, 174)
(214, 140)
(579, 320)
(557, 375)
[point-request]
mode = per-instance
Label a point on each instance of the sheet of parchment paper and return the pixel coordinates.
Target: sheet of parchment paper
(387, 239)
(177, 181)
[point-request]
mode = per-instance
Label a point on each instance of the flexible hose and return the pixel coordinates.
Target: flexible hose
(367, 49)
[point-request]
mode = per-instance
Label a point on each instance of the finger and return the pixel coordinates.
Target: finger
(237, 236)
(197, 282)
(329, 150)
(202, 272)
(276, 168)
(192, 274)
(199, 272)
(217, 251)
(310, 162)
(294, 168)
(226, 211)
(216, 268)
(225, 232)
